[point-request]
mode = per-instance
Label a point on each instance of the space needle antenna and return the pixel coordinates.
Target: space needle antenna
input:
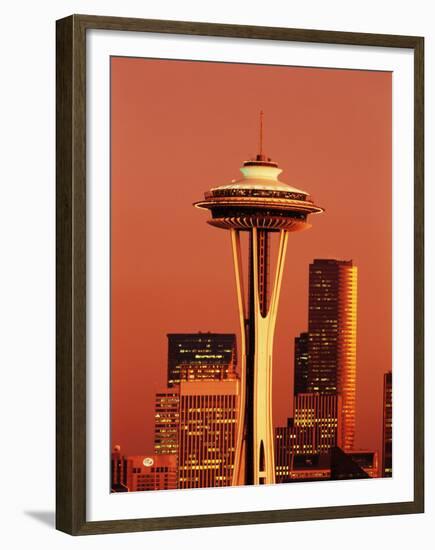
(261, 133)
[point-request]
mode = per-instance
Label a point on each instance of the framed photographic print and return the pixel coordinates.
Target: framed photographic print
(239, 275)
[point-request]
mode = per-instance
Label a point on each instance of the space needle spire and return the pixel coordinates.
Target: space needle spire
(260, 147)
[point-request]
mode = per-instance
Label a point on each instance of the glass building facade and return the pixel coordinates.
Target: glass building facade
(332, 329)
(207, 444)
(201, 356)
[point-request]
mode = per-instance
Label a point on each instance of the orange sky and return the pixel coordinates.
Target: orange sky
(179, 128)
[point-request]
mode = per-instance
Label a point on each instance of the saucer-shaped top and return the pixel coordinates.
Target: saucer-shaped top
(260, 177)
(259, 199)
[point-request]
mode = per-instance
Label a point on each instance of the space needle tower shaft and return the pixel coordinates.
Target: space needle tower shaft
(258, 204)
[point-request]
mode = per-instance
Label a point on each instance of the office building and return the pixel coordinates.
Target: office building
(166, 423)
(314, 430)
(332, 326)
(201, 356)
(387, 427)
(207, 444)
(142, 472)
(150, 472)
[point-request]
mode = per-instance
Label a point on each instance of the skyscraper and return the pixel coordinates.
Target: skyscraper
(166, 422)
(201, 356)
(258, 204)
(301, 363)
(387, 427)
(208, 416)
(332, 327)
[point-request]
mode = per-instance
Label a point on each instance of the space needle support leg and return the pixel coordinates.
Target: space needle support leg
(260, 326)
(239, 474)
(263, 437)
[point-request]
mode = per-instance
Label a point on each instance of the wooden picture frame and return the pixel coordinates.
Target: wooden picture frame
(71, 225)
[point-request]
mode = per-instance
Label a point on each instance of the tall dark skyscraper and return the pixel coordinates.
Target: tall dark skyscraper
(324, 373)
(332, 322)
(201, 356)
(387, 427)
(301, 363)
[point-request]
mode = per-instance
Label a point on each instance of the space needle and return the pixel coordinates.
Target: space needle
(258, 204)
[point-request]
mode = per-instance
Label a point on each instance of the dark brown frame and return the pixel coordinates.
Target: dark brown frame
(71, 274)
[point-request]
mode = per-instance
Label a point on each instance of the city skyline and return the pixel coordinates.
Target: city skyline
(138, 357)
(196, 419)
